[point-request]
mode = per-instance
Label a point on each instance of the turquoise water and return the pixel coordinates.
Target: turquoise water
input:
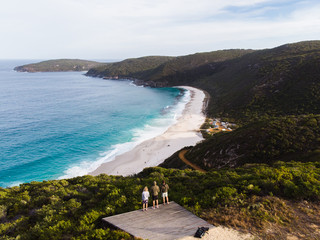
(60, 125)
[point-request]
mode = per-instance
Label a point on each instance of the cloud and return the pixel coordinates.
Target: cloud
(123, 28)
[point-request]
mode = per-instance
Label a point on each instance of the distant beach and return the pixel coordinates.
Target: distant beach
(152, 152)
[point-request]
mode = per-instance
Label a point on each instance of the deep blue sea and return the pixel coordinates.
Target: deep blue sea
(61, 125)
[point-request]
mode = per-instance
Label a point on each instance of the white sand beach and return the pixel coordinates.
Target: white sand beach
(154, 151)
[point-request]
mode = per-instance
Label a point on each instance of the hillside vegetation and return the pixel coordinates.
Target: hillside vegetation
(59, 65)
(157, 68)
(253, 198)
(244, 84)
(165, 71)
(130, 68)
(274, 82)
(291, 138)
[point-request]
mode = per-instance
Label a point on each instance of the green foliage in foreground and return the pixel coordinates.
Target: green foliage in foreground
(73, 208)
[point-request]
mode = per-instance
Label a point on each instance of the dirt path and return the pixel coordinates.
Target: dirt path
(186, 161)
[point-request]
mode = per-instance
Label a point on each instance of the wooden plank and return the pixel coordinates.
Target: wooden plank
(166, 222)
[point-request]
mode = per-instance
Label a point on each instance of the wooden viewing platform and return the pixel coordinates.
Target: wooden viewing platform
(164, 223)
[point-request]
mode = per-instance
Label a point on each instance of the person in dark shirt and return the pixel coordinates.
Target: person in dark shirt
(155, 191)
(164, 190)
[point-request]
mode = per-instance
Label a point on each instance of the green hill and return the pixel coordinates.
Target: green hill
(290, 138)
(275, 82)
(245, 84)
(164, 71)
(186, 69)
(59, 65)
(130, 68)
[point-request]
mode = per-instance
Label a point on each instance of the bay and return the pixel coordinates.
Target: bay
(61, 125)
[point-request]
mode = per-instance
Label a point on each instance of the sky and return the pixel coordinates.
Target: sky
(119, 29)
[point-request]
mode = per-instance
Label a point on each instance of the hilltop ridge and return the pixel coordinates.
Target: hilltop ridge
(162, 71)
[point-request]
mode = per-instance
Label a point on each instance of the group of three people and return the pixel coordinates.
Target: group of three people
(155, 193)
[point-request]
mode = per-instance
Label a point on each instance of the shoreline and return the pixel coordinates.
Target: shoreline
(154, 151)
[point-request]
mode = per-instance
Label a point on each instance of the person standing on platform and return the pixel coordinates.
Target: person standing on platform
(145, 197)
(155, 191)
(164, 190)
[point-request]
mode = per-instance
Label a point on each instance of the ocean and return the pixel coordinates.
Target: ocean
(62, 125)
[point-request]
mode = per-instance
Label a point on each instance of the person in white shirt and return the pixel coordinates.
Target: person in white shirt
(145, 196)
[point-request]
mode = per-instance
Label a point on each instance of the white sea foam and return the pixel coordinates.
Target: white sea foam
(135, 85)
(152, 129)
(14, 184)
